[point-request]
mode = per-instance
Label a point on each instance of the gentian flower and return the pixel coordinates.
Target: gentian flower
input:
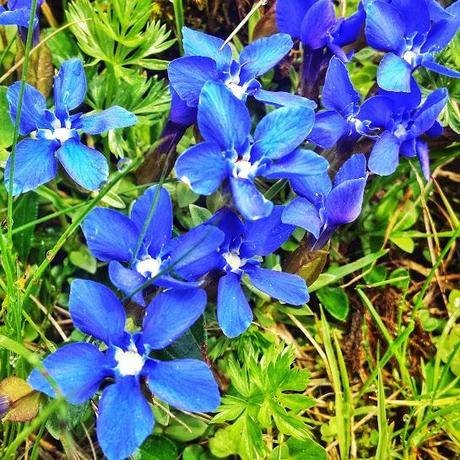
(325, 205)
(229, 155)
(208, 59)
(55, 134)
(79, 369)
(342, 101)
(402, 121)
(143, 242)
(17, 13)
(241, 255)
(323, 35)
(410, 35)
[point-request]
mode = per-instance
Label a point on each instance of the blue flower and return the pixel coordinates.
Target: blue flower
(207, 59)
(241, 255)
(229, 155)
(410, 31)
(314, 23)
(18, 14)
(402, 121)
(342, 101)
(79, 369)
(55, 134)
(143, 242)
(325, 205)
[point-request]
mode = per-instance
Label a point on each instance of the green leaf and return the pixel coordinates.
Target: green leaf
(84, 259)
(308, 449)
(335, 300)
(405, 243)
(156, 448)
(74, 414)
(185, 195)
(25, 211)
(199, 215)
(194, 428)
(62, 46)
(6, 126)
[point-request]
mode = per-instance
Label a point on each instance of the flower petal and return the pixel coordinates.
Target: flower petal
(299, 163)
(426, 116)
(110, 235)
(339, 93)
(263, 54)
(32, 110)
(180, 112)
(286, 287)
(96, 311)
(432, 65)
(316, 24)
(329, 127)
(125, 419)
(289, 15)
(111, 118)
(234, 314)
(69, 86)
(203, 167)
(128, 281)
(153, 217)
(282, 131)
(34, 165)
(189, 74)
(314, 188)
(353, 168)
(87, 167)
(248, 200)
(384, 158)
(385, 29)
(282, 99)
(394, 74)
(200, 44)
(301, 213)
(222, 118)
(187, 384)
(77, 368)
(170, 314)
(266, 235)
(343, 204)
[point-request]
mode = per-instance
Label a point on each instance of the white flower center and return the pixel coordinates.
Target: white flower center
(400, 131)
(410, 57)
(244, 169)
(62, 134)
(237, 90)
(233, 260)
(129, 362)
(149, 267)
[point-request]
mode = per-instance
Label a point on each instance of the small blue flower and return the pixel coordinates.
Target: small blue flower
(323, 35)
(18, 14)
(229, 155)
(411, 32)
(146, 247)
(402, 121)
(241, 255)
(324, 205)
(207, 59)
(125, 418)
(342, 101)
(55, 134)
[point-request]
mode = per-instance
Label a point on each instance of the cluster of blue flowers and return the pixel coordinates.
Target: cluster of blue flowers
(165, 274)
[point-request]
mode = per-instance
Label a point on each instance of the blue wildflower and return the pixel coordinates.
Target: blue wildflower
(342, 101)
(17, 13)
(411, 32)
(229, 155)
(143, 242)
(325, 205)
(208, 59)
(402, 121)
(55, 134)
(125, 417)
(241, 255)
(323, 35)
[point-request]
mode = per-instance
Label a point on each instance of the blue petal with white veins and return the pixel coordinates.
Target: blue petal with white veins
(111, 118)
(248, 200)
(394, 74)
(384, 157)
